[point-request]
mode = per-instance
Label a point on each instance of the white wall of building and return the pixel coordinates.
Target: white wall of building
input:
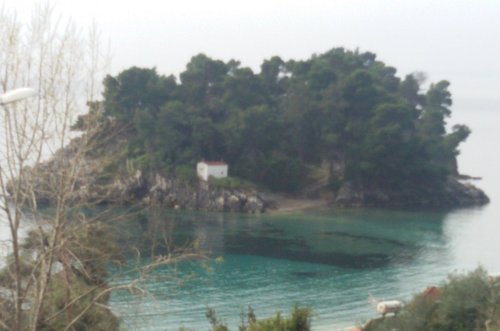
(205, 170)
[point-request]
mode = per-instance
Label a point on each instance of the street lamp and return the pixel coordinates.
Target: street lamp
(16, 95)
(10, 97)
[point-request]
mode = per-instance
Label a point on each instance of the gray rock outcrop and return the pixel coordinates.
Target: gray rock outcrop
(92, 183)
(453, 194)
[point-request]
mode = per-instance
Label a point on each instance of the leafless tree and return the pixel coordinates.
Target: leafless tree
(64, 64)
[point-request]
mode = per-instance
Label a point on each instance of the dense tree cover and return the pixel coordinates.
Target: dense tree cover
(342, 110)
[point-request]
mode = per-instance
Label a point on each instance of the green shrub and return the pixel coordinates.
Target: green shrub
(186, 173)
(465, 301)
(230, 183)
(95, 316)
(216, 323)
(335, 184)
(299, 320)
(284, 173)
(465, 304)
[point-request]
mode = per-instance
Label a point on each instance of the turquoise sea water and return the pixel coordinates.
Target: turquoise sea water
(325, 259)
(329, 260)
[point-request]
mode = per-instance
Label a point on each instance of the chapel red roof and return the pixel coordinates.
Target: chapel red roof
(215, 163)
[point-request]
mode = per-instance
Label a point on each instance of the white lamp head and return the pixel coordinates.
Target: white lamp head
(17, 95)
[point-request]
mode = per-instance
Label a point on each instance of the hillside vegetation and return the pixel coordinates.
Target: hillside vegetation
(343, 114)
(465, 302)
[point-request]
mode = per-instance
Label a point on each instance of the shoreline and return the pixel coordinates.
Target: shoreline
(286, 205)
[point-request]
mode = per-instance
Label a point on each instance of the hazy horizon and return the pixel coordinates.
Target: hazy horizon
(453, 40)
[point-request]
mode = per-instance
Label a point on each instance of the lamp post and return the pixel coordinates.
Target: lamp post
(16, 95)
(11, 97)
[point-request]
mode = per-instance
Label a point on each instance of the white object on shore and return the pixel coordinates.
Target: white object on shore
(391, 306)
(207, 169)
(17, 95)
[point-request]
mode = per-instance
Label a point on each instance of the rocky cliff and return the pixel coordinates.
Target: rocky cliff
(157, 190)
(455, 193)
(93, 183)
(88, 182)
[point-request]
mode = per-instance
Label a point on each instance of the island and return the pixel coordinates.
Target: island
(340, 127)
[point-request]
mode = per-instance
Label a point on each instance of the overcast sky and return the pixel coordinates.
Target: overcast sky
(458, 40)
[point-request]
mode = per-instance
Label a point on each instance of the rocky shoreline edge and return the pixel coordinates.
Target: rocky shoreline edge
(159, 191)
(96, 186)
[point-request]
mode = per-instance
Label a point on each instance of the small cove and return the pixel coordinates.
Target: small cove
(326, 259)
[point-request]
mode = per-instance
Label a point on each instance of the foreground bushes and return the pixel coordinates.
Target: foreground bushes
(299, 320)
(467, 302)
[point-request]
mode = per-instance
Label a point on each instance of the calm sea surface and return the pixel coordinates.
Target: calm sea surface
(326, 259)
